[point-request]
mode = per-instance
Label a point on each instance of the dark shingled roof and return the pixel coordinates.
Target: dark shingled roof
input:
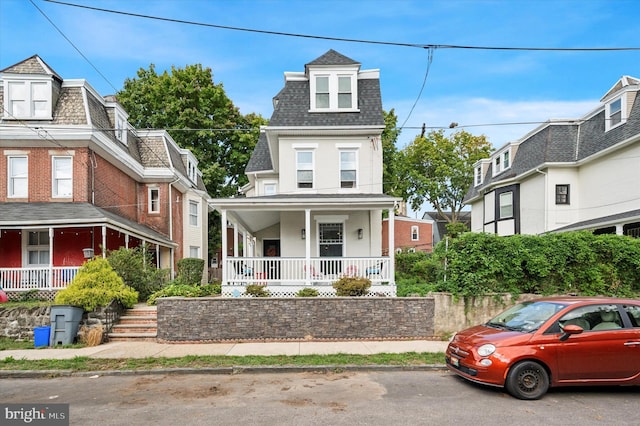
(331, 57)
(260, 158)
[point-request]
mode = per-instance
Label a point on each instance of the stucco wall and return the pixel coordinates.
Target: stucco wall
(344, 318)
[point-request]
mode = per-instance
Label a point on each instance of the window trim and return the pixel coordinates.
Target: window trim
(415, 229)
(333, 77)
(194, 216)
(150, 201)
(501, 205)
(477, 176)
(312, 169)
(55, 180)
(39, 248)
(355, 168)
(11, 193)
(197, 249)
(499, 161)
(609, 125)
(28, 83)
(563, 198)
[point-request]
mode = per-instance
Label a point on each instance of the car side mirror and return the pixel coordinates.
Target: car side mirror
(568, 330)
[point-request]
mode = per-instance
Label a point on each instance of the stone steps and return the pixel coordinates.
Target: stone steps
(137, 324)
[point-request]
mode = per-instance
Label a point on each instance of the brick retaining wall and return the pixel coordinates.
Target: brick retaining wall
(342, 318)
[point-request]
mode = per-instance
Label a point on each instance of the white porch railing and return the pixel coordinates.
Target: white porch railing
(242, 271)
(26, 279)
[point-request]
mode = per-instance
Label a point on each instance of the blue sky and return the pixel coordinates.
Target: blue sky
(470, 87)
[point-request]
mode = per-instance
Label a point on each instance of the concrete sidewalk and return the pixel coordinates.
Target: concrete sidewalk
(175, 350)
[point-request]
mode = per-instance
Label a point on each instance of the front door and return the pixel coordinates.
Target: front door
(331, 245)
(271, 248)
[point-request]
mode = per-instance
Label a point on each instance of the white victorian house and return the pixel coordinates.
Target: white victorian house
(312, 210)
(566, 175)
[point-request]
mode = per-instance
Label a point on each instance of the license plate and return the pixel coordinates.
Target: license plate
(455, 361)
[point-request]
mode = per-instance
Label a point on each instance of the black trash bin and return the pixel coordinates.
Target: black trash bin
(65, 320)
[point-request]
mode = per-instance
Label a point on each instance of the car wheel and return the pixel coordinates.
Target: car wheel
(527, 380)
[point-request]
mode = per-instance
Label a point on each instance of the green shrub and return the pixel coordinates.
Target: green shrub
(190, 270)
(255, 290)
(307, 292)
(176, 289)
(135, 266)
(96, 284)
(352, 286)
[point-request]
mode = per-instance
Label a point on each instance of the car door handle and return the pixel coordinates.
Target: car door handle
(632, 344)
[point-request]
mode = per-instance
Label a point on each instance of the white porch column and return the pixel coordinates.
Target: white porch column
(619, 229)
(223, 233)
(307, 245)
(126, 241)
(235, 240)
(50, 279)
(104, 242)
(244, 243)
(392, 248)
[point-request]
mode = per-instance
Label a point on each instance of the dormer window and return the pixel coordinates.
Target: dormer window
(192, 171)
(616, 113)
(27, 98)
(477, 176)
(121, 128)
(333, 91)
(502, 162)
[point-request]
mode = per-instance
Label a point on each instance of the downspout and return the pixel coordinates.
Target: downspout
(546, 197)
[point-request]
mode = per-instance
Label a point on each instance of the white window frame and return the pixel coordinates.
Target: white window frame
(355, 168)
(41, 248)
(33, 105)
(153, 205)
(333, 77)
(500, 160)
(194, 213)
(196, 250)
(622, 110)
(192, 171)
(477, 173)
(56, 179)
(121, 128)
(270, 188)
(304, 167)
(504, 204)
(12, 178)
(415, 233)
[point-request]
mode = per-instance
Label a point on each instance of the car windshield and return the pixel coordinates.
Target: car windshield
(525, 317)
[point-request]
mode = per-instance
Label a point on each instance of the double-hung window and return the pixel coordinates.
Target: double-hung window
(193, 213)
(154, 200)
(38, 248)
(614, 114)
(348, 167)
(62, 177)
(345, 97)
(333, 91)
(477, 175)
(562, 194)
(304, 169)
(415, 233)
(506, 205)
(322, 92)
(18, 177)
(27, 99)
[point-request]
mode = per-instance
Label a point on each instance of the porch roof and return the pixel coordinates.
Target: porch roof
(56, 215)
(258, 212)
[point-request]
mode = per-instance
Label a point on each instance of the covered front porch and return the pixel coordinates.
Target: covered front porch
(288, 243)
(43, 245)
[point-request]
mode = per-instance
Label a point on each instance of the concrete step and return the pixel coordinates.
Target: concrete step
(136, 324)
(128, 337)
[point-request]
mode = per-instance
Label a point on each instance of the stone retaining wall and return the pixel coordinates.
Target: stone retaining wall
(342, 318)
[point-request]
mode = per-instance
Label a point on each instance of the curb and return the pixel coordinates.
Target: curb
(49, 374)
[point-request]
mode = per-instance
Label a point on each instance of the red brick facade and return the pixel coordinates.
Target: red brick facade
(404, 234)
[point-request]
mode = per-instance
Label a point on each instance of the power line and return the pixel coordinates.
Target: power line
(424, 82)
(342, 39)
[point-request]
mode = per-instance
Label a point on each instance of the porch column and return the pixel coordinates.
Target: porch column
(619, 229)
(50, 278)
(104, 242)
(126, 241)
(223, 215)
(244, 243)
(307, 246)
(172, 259)
(158, 256)
(392, 248)
(235, 240)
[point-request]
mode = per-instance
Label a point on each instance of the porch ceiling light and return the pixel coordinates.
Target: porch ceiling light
(360, 233)
(303, 233)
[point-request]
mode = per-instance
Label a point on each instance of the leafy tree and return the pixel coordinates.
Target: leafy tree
(199, 116)
(137, 269)
(437, 169)
(390, 176)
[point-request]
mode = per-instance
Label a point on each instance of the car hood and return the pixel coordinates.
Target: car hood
(481, 334)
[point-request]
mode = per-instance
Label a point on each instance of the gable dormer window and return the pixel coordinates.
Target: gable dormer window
(615, 113)
(121, 128)
(502, 162)
(27, 98)
(333, 91)
(192, 171)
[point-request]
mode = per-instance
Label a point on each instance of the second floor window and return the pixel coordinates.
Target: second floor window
(62, 179)
(415, 233)
(18, 177)
(154, 200)
(348, 169)
(506, 205)
(193, 213)
(304, 169)
(28, 99)
(562, 194)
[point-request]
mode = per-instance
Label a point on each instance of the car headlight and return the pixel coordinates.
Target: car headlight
(486, 350)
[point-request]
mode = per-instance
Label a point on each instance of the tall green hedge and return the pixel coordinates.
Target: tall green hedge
(572, 262)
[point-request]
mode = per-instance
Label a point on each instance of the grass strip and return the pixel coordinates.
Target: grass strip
(80, 364)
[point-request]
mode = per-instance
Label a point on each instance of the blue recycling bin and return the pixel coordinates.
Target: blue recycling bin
(65, 321)
(41, 336)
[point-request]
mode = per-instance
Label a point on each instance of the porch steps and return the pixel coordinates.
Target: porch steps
(138, 323)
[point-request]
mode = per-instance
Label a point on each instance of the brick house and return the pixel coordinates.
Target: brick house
(78, 180)
(410, 234)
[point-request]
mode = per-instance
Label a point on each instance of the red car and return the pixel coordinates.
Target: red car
(549, 342)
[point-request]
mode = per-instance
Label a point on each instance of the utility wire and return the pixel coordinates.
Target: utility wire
(351, 40)
(424, 82)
